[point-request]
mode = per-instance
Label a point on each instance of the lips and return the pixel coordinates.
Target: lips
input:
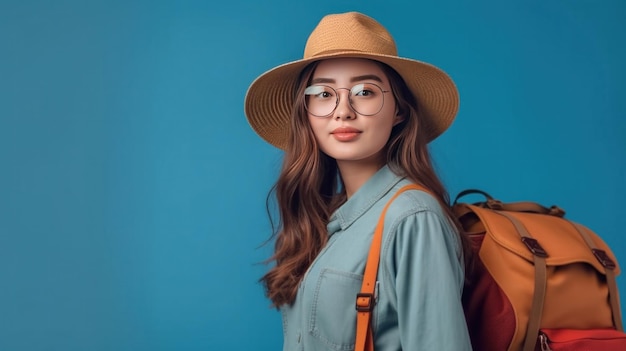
(342, 130)
(345, 133)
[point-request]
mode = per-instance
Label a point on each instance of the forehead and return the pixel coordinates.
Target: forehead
(344, 69)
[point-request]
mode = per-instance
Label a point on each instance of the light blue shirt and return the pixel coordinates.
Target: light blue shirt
(420, 276)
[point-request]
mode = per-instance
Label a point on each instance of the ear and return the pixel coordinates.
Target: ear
(398, 118)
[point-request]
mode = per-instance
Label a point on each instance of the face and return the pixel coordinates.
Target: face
(356, 132)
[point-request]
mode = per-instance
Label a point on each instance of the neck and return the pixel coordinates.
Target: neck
(355, 174)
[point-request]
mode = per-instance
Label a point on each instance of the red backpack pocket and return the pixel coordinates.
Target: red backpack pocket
(581, 340)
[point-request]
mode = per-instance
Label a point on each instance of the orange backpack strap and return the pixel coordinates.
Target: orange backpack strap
(541, 281)
(609, 267)
(366, 299)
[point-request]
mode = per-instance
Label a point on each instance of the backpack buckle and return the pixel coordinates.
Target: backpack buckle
(364, 302)
(494, 204)
(534, 247)
(604, 259)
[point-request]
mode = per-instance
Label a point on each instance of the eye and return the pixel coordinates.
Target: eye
(319, 92)
(364, 90)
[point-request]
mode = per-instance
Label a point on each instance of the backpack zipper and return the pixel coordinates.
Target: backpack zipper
(543, 341)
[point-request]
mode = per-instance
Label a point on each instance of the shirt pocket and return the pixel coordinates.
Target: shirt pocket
(333, 319)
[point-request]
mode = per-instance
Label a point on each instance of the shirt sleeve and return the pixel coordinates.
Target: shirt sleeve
(425, 268)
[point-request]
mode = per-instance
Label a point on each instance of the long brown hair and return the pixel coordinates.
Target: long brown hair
(308, 189)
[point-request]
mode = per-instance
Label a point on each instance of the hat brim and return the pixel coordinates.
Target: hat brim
(269, 98)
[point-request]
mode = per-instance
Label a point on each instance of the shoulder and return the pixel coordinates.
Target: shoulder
(417, 226)
(416, 215)
(411, 202)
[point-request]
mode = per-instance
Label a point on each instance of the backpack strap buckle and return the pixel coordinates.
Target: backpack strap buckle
(534, 247)
(364, 302)
(604, 259)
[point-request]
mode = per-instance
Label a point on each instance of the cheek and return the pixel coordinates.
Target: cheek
(386, 123)
(316, 127)
(383, 128)
(384, 133)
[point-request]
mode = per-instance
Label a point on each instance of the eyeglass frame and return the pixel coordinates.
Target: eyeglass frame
(349, 99)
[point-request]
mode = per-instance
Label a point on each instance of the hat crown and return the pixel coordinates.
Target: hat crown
(349, 32)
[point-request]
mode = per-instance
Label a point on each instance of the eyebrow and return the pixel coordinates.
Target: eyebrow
(352, 80)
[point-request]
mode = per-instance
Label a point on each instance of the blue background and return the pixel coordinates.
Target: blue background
(132, 190)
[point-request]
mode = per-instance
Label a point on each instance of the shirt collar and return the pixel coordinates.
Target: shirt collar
(371, 192)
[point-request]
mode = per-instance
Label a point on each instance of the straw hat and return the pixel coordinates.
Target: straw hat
(269, 99)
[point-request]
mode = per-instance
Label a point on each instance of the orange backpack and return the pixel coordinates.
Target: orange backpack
(539, 281)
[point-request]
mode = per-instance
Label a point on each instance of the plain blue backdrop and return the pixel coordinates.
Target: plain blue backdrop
(132, 190)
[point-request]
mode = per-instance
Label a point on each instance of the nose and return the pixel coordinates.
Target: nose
(344, 110)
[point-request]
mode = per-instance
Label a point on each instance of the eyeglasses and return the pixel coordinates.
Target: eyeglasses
(366, 99)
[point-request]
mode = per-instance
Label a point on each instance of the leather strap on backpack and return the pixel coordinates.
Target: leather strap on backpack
(524, 206)
(541, 281)
(609, 267)
(366, 299)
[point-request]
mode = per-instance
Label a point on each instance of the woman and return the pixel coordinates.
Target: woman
(354, 120)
